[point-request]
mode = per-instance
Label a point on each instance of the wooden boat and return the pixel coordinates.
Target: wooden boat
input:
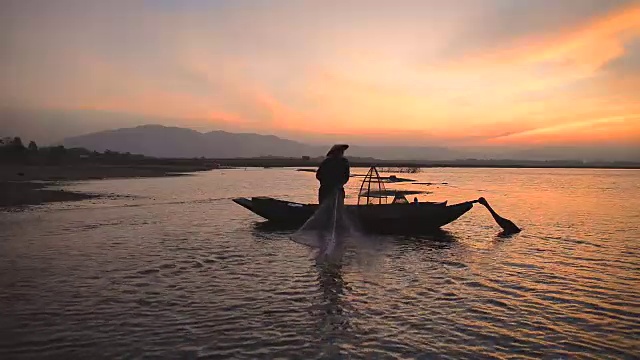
(398, 217)
(407, 218)
(372, 211)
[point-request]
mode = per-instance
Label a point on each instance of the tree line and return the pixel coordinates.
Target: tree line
(13, 150)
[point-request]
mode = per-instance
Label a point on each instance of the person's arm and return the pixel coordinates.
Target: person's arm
(346, 172)
(320, 171)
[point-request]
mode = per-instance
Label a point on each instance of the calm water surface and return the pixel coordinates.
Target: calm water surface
(177, 270)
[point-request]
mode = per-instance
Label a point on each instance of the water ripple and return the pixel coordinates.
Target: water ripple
(159, 275)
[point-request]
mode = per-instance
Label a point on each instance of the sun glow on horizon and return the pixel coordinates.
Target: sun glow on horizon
(461, 73)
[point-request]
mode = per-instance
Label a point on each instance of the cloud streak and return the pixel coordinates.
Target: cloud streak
(426, 72)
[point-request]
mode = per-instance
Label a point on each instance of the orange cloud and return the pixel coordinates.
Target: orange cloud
(552, 64)
(618, 129)
(532, 91)
(588, 46)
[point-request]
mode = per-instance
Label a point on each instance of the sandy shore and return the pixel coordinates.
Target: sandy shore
(14, 194)
(18, 189)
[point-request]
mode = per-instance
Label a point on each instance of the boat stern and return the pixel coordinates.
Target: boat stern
(277, 210)
(244, 202)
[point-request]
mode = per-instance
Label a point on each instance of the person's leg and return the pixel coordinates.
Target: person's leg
(319, 233)
(322, 195)
(327, 199)
(335, 201)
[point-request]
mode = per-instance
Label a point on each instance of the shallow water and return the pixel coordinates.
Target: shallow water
(177, 270)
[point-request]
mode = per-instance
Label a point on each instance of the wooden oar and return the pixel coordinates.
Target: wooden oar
(507, 225)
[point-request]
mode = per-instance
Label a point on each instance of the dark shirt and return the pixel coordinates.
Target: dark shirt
(333, 172)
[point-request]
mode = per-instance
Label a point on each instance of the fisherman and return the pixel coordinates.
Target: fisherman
(333, 173)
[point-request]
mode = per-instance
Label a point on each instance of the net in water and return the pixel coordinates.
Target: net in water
(332, 227)
(329, 228)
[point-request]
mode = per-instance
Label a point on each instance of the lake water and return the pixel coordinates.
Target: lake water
(177, 270)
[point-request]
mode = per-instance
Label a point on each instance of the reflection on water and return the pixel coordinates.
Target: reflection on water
(333, 320)
(177, 270)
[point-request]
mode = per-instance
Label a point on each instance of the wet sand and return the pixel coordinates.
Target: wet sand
(14, 194)
(27, 184)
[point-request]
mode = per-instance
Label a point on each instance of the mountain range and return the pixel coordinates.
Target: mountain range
(94, 130)
(164, 141)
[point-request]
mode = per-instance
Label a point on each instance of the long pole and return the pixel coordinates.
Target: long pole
(507, 225)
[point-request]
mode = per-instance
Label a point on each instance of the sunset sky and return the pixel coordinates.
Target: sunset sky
(471, 72)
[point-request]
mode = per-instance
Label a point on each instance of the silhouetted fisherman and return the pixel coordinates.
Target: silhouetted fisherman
(333, 173)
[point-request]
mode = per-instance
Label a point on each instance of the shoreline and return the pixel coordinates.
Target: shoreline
(18, 194)
(484, 164)
(26, 185)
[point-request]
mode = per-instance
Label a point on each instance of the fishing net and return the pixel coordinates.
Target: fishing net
(333, 226)
(329, 228)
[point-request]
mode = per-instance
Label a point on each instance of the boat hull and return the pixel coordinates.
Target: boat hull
(387, 218)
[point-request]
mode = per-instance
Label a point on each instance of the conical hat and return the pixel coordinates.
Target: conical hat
(338, 147)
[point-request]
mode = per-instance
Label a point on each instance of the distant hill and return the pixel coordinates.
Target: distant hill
(92, 129)
(163, 141)
(46, 127)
